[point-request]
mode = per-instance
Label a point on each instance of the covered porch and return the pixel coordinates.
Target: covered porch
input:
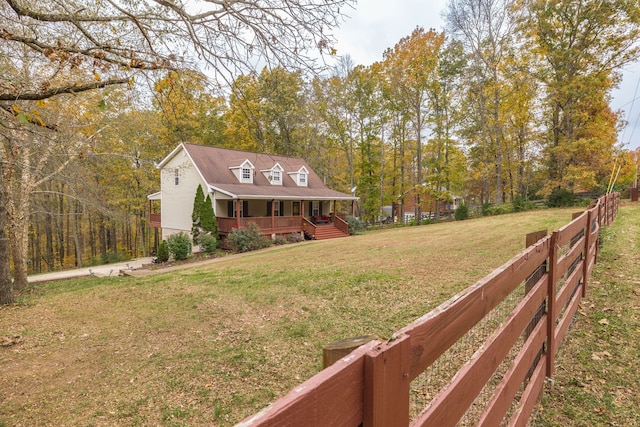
(314, 219)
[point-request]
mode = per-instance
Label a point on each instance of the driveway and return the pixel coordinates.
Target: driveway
(99, 271)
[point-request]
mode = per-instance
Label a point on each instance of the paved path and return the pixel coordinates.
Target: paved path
(99, 271)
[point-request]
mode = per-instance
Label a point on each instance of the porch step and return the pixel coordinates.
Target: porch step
(329, 231)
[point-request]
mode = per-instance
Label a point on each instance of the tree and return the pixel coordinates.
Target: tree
(80, 46)
(196, 215)
(485, 29)
(208, 218)
(582, 45)
(412, 63)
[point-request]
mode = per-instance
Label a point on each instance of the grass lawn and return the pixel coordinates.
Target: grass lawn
(213, 344)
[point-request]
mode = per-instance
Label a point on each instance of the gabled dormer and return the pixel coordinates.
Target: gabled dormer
(300, 177)
(244, 172)
(274, 175)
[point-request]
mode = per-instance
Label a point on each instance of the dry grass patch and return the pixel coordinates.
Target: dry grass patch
(213, 344)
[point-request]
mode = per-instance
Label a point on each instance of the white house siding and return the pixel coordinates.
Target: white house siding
(177, 200)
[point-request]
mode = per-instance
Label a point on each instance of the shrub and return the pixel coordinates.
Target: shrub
(461, 213)
(295, 238)
(518, 204)
(355, 225)
(208, 243)
(179, 246)
(163, 252)
(561, 197)
(247, 239)
(280, 240)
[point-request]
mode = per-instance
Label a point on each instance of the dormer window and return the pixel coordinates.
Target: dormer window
(300, 177)
(273, 175)
(244, 172)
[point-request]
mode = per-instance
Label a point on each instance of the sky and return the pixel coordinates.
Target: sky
(376, 25)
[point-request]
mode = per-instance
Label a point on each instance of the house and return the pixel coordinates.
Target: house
(281, 195)
(430, 206)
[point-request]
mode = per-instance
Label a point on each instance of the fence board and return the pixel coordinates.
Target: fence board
(569, 286)
(569, 231)
(451, 320)
(333, 397)
(565, 261)
(510, 384)
(452, 402)
(530, 396)
(566, 320)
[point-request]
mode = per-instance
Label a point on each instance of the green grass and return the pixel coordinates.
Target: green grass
(211, 345)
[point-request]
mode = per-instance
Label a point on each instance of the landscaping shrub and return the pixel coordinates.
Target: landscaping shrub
(355, 225)
(295, 238)
(461, 213)
(163, 252)
(247, 239)
(208, 243)
(179, 245)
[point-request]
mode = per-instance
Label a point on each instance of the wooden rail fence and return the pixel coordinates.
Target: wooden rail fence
(480, 358)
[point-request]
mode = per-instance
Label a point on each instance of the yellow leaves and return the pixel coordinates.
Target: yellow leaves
(96, 76)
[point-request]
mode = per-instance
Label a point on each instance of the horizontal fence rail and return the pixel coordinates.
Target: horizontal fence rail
(480, 358)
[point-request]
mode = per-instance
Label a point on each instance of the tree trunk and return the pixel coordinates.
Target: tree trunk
(6, 285)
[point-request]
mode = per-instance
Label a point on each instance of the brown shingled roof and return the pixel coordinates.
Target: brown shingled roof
(214, 165)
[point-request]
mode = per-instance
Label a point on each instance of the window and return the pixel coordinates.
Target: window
(302, 179)
(276, 208)
(176, 177)
(276, 177)
(246, 174)
(315, 208)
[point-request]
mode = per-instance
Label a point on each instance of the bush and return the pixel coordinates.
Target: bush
(295, 238)
(208, 243)
(518, 204)
(561, 197)
(163, 252)
(355, 225)
(179, 246)
(461, 213)
(280, 240)
(247, 239)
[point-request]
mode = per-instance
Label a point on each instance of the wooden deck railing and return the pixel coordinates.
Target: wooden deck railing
(480, 357)
(266, 224)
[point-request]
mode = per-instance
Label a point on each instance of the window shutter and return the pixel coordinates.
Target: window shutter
(245, 208)
(269, 209)
(281, 208)
(230, 208)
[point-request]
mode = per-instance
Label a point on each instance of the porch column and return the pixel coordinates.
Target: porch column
(302, 208)
(273, 211)
(238, 207)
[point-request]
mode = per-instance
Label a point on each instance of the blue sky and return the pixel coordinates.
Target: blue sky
(375, 25)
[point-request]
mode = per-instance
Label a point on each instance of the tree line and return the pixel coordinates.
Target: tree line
(510, 102)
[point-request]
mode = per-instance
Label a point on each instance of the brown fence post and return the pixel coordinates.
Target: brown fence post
(386, 384)
(585, 258)
(551, 303)
(336, 350)
(531, 281)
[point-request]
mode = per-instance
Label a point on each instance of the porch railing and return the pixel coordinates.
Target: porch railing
(266, 224)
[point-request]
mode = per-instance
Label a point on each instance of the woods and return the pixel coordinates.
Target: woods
(509, 103)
